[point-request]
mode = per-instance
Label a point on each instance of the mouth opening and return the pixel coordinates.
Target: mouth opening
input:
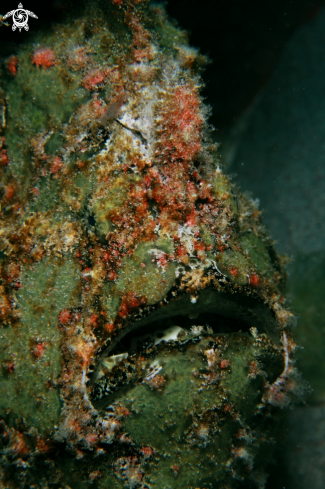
(165, 330)
(174, 325)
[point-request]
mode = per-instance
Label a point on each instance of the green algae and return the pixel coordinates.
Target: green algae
(234, 266)
(140, 276)
(187, 423)
(110, 301)
(256, 249)
(114, 198)
(39, 99)
(30, 391)
(149, 281)
(223, 189)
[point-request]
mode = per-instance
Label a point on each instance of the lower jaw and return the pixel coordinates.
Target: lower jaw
(200, 415)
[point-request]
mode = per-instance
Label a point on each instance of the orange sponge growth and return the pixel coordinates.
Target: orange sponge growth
(44, 57)
(181, 122)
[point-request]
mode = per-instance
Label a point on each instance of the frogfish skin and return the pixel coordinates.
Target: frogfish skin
(145, 340)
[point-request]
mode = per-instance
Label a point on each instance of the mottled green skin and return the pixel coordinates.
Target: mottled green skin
(167, 420)
(25, 392)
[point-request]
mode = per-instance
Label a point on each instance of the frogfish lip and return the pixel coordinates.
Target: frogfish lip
(220, 312)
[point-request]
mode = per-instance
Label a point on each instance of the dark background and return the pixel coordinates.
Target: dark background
(244, 39)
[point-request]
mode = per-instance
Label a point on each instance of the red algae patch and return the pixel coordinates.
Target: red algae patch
(39, 349)
(12, 64)
(65, 316)
(10, 192)
(93, 79)
(4, 160)
(56, 166)
(44, 57)
(181, 116)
